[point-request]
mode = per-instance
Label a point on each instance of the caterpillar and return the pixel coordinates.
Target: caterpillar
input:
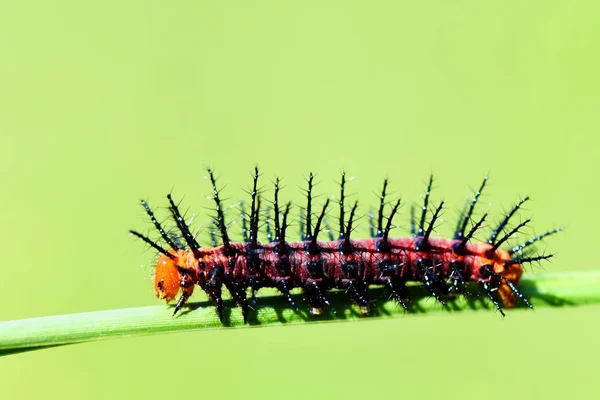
(444, 266)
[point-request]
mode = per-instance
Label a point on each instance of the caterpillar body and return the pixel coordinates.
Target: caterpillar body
(443, 265)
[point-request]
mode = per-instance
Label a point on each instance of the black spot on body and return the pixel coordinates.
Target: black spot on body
(350, 270)
(315, 269)
(388, 268)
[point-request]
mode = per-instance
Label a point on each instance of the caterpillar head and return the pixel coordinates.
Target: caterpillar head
(166, 278)
(501, 262)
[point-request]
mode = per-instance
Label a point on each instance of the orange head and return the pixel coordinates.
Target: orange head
(512, 272)
(166, 278)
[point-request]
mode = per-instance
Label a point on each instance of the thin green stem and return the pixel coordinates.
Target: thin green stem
(559, 289)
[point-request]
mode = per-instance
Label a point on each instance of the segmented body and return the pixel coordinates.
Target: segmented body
(443, 265)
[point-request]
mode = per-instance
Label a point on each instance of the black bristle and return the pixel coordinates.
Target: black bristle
(213, 237)
(424, 209)
(413, 222)
(524, 245)
(159, 227)
(301, 225)
(371, 223)
(388, 225)
(268, 225)
(276, 210)
(330, 234)
(465, 220)
(153, 244)
(255, 225)
(461, 216)
(254, 209)
(282, 244)
(504, 222)
(183, 227)
(314, 247)
(423, 243)
(347, 246)
(220, 219)
(490, 252)
(243, 217)
(308, 235)
(521, 260)
(461, 246)
(381, 207)
(342, 205)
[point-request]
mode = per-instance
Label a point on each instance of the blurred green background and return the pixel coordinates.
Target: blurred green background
(103, 104)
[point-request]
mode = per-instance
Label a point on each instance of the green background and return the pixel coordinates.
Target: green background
(103, 104)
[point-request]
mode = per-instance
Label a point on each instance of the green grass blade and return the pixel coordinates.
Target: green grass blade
(559, 289)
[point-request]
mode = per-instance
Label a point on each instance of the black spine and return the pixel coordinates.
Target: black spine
(347, 246)
(423, 244)
(342, 198)
(276, 210)
(243, 217)
(153, 244)
(490, 252)
(284, 225)
(159, 227)
(220, 219)
(460, 233)
(425, 205)
(524, 245)
(254, 209)
(504, 222)
(388, 226)
(522, 260)
(183, 227)
(462, 245)
(381, 207)
(314, 247)
(413, 222)
(308, 235)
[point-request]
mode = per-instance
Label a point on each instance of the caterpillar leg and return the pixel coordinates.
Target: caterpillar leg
(181, 302)
(187, 287)
(214, 293)
(238, 294)
(397, 290)
(212, 287)
(390, 279)
(316, 298)
(359, 297)
(284, 288)
(354, 286)
(457, 279)
(432, 282)
(489, 292)
(506, 288)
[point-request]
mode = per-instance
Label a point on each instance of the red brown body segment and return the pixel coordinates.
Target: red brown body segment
(402, 254)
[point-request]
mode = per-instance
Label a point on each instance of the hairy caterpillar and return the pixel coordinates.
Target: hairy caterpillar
(443, 265)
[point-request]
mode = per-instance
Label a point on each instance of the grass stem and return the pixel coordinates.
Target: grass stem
(557, 289)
